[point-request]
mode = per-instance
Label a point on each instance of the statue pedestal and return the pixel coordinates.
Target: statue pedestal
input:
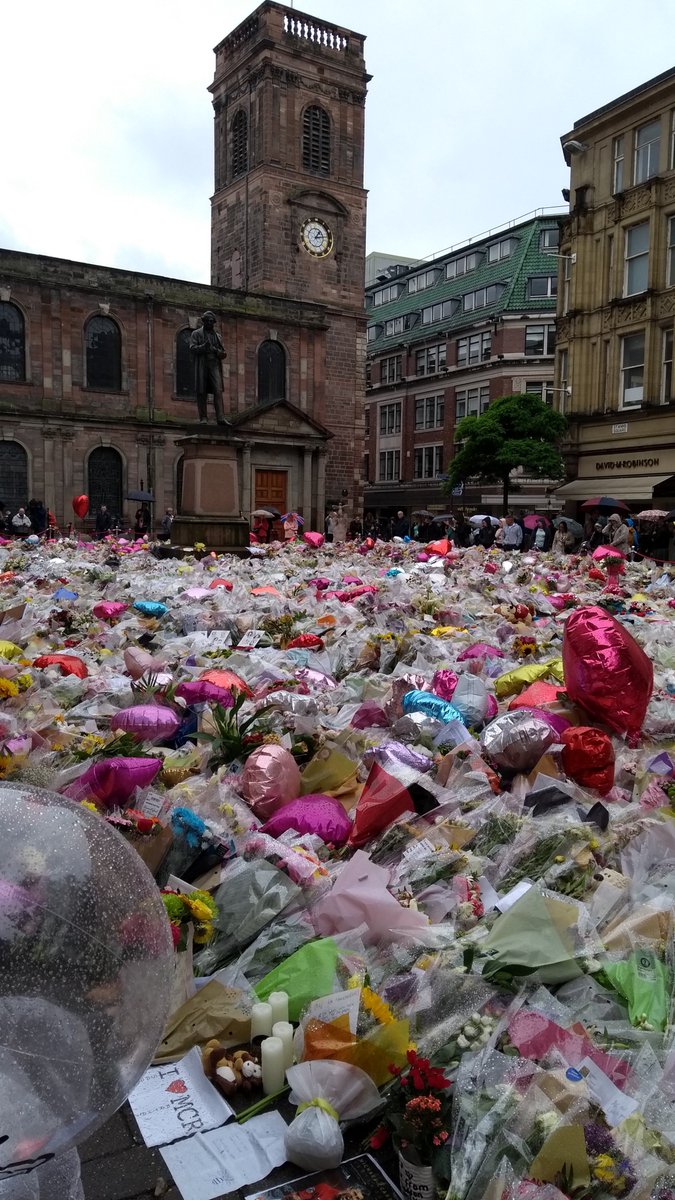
(211, 501)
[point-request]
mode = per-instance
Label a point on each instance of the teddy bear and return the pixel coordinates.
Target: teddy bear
(231, 1072)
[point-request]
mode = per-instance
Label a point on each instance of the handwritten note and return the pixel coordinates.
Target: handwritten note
(212, 1164)
(339, 1004)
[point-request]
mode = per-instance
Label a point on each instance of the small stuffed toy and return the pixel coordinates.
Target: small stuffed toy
(231, 1072)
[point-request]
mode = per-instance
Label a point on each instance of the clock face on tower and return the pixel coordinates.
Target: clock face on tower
(316, 237)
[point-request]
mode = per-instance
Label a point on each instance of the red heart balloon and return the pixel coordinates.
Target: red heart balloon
(606, 672)
(80, 506)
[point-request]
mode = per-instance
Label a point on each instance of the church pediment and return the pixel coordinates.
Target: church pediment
(316, 200)
(281, 420)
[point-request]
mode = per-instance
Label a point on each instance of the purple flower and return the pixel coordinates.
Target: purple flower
(598, 1140)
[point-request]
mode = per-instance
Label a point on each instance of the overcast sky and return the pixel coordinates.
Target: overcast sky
(107, 126)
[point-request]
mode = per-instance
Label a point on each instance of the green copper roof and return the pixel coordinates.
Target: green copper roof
(526, 260)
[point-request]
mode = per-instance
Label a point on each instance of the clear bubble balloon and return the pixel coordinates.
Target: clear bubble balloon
(86, 964)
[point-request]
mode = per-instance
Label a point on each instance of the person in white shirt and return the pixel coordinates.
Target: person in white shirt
(21, 524)
(513, 535)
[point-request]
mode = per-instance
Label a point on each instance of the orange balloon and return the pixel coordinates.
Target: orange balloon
(227, 679)
(265, 591)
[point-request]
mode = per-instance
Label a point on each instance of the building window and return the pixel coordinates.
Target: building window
(418, 283)
(13, 475)
(617, 168)
(428, 462)
(366, 467)
(542, 286)
(390, 465)
(482, 297)
(539, 340)
(374, 332)
(439, 312)
(543, 390)
(239, 143)
(563, 377)
(632, 370)
(386, 294)
(390, 419)
(366, 421)
(103, 343)
(667, 366)
(474, 349)
(462, 266)
(647, 151)
(271, 372)
(636, 270)
(671, 160)
(396, 325)
(390, 369)
(500, 250)
(316, 140)
(550, 239)
(567, 280)
(431, 359)
(429, 412)
(104, 481)
(185, 374)
(471, 402)
(671, 252)
(12, 346)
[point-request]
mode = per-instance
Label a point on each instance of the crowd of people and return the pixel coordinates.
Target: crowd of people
(32, 517)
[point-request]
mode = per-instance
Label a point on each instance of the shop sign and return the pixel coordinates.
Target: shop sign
(627, 464)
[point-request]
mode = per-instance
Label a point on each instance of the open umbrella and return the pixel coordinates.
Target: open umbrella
(605, 502)
(263, 512)
(478, 518)
(652, 514)
(445, 516)
(422, 512)
(572, 525)
(532, 520)
(299, 519)
(142, 497)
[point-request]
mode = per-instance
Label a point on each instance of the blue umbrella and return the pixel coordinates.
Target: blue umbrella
(299, 519)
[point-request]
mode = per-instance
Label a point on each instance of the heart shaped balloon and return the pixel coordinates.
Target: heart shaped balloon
(606, 672)
(148, 722)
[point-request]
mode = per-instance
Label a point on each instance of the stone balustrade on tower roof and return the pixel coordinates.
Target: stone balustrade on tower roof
(277, 25)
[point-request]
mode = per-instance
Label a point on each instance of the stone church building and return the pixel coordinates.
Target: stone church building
(96, 381)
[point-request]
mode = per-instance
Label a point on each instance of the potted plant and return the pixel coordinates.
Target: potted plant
(418, 1120)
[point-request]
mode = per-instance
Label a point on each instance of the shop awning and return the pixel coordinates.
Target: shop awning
(623, 487)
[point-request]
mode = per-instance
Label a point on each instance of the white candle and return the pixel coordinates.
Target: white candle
(284, 1031)
(279, 1003)
(261, 1020)
(273, 1069)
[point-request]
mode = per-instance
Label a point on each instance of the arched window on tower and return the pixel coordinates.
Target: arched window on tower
(13, 476)
(316, 140)
(12, 343)
(239, 143)
(104, 481)
(271, 372)
(185, 375)
(103, 342)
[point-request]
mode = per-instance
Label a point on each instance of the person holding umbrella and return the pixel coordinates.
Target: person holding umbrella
(291, 522)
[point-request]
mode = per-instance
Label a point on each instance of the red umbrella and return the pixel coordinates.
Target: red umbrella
(532, 520)
(606, 502)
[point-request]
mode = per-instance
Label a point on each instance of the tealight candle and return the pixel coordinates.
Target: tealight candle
(261, 1020)
(279, 1003)
(273, 1069)
(284, 1031)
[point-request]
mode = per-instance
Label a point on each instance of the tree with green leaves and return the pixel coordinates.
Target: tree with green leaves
(515, 431)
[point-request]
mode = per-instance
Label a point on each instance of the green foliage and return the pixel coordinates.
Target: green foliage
(515, 431)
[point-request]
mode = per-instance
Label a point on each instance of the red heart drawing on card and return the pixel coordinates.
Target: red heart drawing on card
(177, 1087)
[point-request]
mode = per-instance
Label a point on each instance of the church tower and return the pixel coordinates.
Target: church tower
(289, 206)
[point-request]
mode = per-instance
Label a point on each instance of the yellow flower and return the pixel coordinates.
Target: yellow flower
(203, 934)
(353, 982)
(375, 1005)
(604, 1168)
(199, 910)
(8, 689)
(88, 804)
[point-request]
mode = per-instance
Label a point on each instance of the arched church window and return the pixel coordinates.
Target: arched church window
(185, 374)
(103, 342)
(12, 343)
(104, 481)
(239, 143)
(271, 372)
(316, 140)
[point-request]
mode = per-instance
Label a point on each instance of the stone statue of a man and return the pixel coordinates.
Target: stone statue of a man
(208, 352)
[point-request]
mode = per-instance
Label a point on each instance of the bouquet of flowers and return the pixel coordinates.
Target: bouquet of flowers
(197, 909)
(418, 1113)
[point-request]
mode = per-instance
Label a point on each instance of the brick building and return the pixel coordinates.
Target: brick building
(446, 337)
(96, 382)
(616, 300)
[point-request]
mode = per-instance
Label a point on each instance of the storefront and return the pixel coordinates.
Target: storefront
(633, 461)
